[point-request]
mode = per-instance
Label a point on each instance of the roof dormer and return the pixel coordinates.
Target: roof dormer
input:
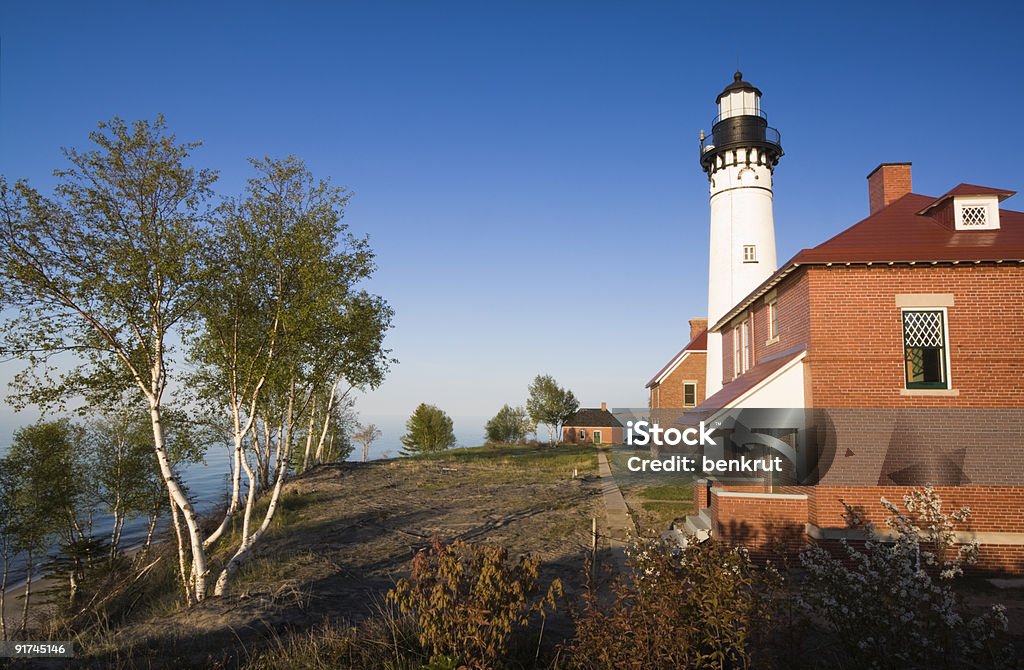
(968, 207)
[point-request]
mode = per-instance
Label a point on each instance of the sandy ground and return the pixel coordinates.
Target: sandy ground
(351, 532)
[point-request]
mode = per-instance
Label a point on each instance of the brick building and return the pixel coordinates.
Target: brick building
(918, 307)
(593, 426)
(905, 332)
(680, 383)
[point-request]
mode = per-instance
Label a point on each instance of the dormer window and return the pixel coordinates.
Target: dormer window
(967, 207)
(973, 215)
(976, 213)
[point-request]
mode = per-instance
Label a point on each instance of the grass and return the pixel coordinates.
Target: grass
(540, 463)
(668, 508)
(654, 508)
(683, 493)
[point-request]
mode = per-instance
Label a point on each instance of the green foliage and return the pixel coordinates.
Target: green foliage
(429, 429)
(52, 483)
(699, 607)
(127, 476)
(106, 267)
(468, 600)
(51, 497)
(550, 404)
(8, 528)
(339, 442)
(509, 425)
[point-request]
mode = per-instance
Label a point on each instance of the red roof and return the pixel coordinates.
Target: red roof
(972, 189)
(749, 379)
(699, 343)
(900, 233)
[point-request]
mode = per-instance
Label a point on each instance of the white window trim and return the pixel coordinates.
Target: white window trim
(736, 349)
(753, 253)
(991, 205)
(945, 353)
(746, 328)
(773, 317)
(596, 436)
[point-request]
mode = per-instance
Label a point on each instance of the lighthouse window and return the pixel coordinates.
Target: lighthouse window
(749, 253)
(924, 349)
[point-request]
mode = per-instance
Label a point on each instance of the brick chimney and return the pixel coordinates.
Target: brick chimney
(604, 407)
(697, 326)
(886, 183)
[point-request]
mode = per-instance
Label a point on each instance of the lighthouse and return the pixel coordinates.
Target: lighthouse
(738, 156)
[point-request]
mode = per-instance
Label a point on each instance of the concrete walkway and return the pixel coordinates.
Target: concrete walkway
(619, 526)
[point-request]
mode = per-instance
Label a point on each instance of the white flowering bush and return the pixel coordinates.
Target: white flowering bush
(890, 603)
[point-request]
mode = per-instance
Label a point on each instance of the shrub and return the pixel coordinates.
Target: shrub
(891, 604)
(510, 424)
(698, 607)
(428, 430)
(468, 599)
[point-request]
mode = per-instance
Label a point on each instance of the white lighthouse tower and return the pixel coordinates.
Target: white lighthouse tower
(738, 156)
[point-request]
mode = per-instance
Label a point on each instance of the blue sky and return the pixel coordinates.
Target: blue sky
(527, 171)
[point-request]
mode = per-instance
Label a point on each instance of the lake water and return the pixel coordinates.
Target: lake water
(208, 482)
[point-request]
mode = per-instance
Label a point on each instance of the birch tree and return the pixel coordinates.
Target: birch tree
(550, 404)
(8, 541)
(126, 470)
(107, 268)
(366, 436)
(284, 331)
(49, 498)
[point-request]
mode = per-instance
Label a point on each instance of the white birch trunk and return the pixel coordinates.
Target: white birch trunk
(28, 593)
(243, 550)
(178, 498)
(309, 435)
(150, 529)
(236, 474)
(5, 572)
(240, 430)
(182, 562)
(327, 422)
(248, 541)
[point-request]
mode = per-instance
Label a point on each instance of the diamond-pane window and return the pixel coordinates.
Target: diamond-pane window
(974, 215)
(924, 346)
